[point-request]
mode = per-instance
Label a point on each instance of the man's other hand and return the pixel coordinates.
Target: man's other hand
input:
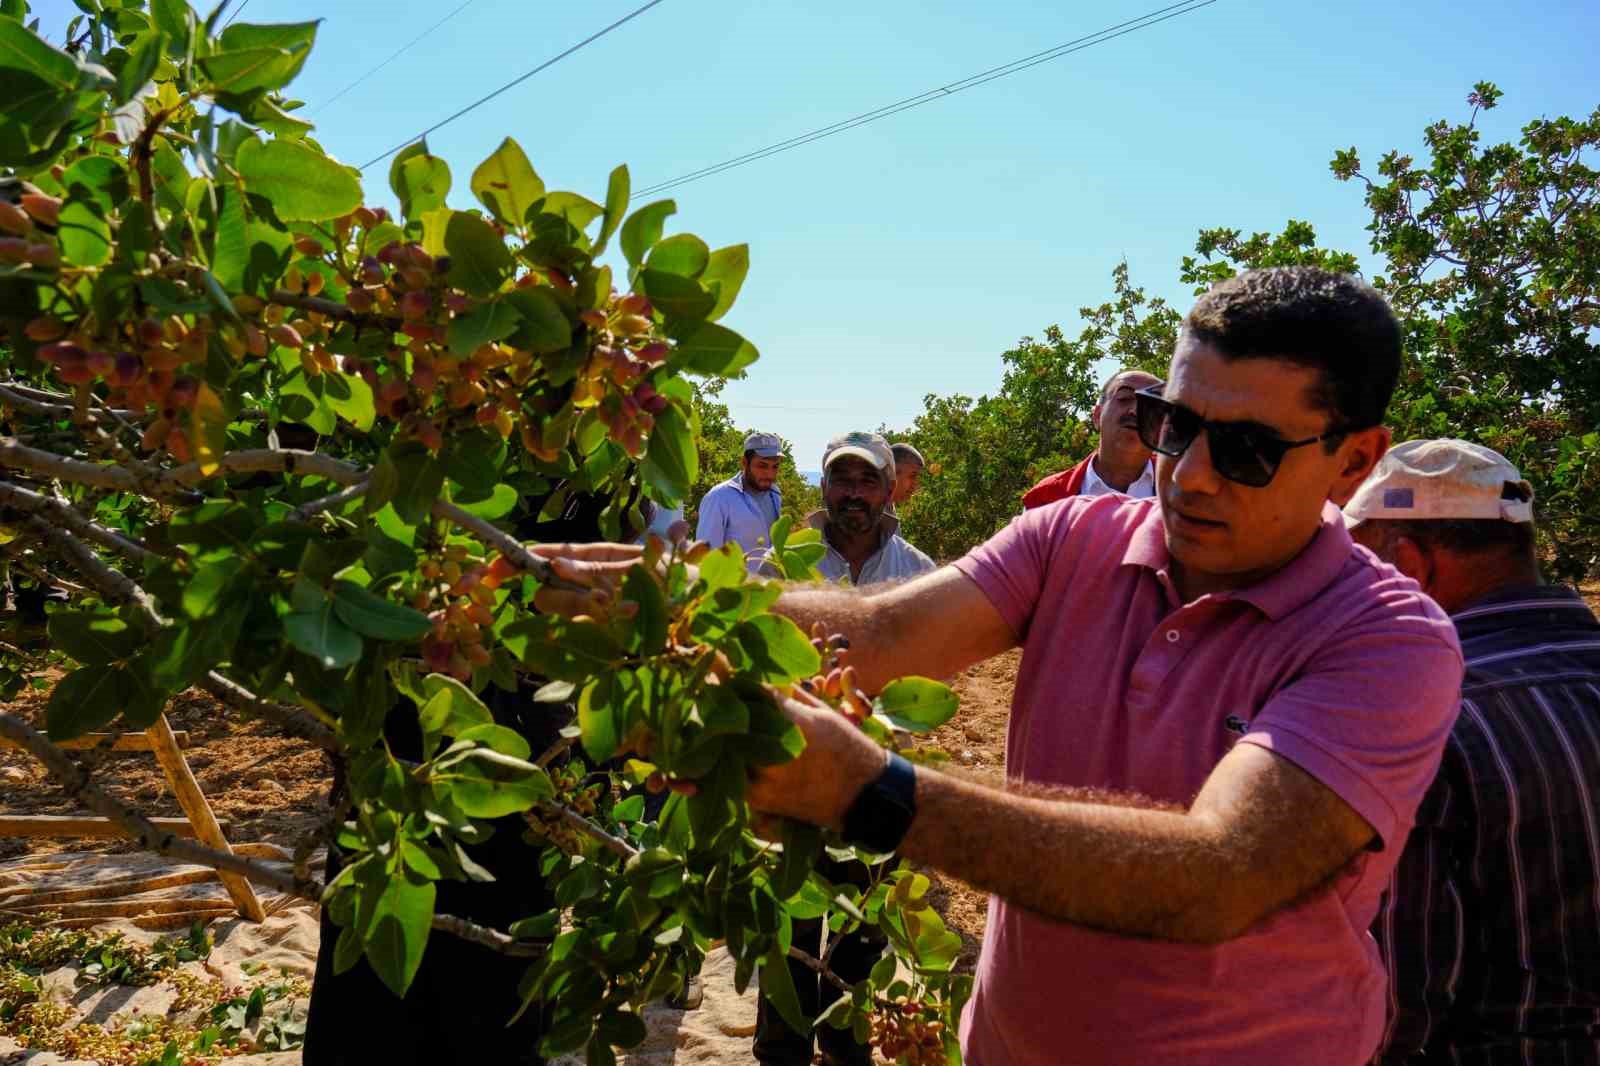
(594, 572)
(838, 762)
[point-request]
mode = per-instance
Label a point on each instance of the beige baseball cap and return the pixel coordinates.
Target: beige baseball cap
(1423, 479)
(869, 446)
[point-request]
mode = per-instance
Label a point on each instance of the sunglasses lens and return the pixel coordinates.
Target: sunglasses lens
(1161, 426)
(1245, 457)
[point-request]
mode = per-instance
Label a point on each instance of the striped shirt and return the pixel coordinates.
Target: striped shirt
(1491, 930)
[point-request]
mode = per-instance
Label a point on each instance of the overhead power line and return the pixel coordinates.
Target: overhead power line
(402, 50)
(552, 61)
(982, 77)
(236, 13)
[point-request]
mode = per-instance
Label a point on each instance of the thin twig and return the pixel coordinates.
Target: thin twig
(64, 513)
(107, 580)
(821, 970)
(333, 309)
(306, 511)
(614, 844)
(554, 751)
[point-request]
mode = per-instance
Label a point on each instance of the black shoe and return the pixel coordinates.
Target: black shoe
(688, 997)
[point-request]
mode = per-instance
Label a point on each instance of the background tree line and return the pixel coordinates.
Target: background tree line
(1490, 256)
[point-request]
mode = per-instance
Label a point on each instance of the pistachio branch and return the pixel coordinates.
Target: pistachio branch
(75, 782)
(63, 513)
(306, 511)
(117, 586)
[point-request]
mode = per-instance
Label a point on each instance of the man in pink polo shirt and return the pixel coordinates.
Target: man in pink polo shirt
(1226, 715)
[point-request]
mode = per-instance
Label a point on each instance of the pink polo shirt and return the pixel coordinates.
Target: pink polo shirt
(1336, 662)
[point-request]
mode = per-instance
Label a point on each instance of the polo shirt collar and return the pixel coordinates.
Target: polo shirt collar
(1524, 606)
(1294, 585)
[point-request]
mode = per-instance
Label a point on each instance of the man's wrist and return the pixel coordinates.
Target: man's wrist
(881, 813)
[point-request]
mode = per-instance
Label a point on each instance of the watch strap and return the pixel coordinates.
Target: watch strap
(881, 815)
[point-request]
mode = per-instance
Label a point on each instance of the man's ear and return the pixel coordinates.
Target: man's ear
(1361, 452)
(1094, 415)
(1412, 561)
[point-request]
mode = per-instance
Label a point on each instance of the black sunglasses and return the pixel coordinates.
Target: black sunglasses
(1241, 452)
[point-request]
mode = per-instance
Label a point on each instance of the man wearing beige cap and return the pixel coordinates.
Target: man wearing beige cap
(861, 532)
(1491, 928)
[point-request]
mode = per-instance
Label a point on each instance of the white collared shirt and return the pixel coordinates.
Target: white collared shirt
(1144, 485)
(895, 560)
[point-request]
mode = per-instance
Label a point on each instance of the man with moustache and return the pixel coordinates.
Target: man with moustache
(1225, 718)
(1121, 463)
(861, 533)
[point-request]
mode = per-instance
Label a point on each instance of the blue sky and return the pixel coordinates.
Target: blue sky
(901, 258)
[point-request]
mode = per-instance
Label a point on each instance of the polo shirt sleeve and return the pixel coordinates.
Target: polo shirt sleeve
(1011, 566)
(1368, 717)
(712, 525)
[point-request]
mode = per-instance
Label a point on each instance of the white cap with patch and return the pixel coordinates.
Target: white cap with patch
(1434, 479)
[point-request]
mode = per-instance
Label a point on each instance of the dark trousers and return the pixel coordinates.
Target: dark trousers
(779, 1045)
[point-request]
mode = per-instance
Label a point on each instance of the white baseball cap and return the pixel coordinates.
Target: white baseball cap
(1428, 479)
(869, 446)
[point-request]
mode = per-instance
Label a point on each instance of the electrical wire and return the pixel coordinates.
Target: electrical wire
(630, 16)
(418, 39)
(236, 12)
(1077, 45)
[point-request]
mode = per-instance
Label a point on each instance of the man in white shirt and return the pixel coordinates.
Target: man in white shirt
(861, 534)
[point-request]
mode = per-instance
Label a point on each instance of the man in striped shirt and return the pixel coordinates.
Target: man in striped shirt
(1491, 927)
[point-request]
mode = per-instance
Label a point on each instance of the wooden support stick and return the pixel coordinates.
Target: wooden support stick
(123, 741)
(193, 802)
(81, 825)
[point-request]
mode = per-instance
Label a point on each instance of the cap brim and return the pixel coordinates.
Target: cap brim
(859, 452)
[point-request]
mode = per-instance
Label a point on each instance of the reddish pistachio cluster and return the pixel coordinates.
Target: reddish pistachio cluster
(22, 241)
(837, 683)
(418, 381)
(457, 592)
(907, 1031)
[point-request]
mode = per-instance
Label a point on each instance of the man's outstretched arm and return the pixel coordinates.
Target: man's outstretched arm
(1261, 834)
(932, 625)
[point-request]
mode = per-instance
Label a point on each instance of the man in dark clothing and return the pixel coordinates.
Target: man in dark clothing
(1491, 928)
(457, 1007)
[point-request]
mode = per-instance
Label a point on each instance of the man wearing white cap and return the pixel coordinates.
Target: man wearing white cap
(1491, 927)
(743, 508)
(861, 533)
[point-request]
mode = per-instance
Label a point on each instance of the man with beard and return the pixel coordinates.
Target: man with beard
(743, 508)
(1121, 463)
(861, 533)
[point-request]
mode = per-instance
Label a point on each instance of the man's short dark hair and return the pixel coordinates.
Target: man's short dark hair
(1335, 324)
(1464, 536)
(904, 453)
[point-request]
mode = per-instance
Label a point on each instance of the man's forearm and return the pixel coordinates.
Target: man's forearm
(1075, 861)
(932, 625)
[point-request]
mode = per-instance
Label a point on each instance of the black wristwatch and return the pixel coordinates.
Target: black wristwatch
(881, 815)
